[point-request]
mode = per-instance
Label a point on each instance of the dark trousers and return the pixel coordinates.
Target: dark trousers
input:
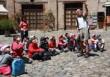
(24, 34)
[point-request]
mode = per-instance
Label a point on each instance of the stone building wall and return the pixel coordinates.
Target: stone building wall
(61, 15)
(95, 6)
(57, 9)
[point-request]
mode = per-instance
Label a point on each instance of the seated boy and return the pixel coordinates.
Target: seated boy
(101, 44)
(94, 42)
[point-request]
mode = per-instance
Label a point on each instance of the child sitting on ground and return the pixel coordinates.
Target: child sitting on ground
(52, 46)
(71, 43)
(67, 37)
(25, 43)
(62, 45)
(100, 44)
(44, 43)
(17, 47)
(34, 52)
(94, 42)
(5, 62)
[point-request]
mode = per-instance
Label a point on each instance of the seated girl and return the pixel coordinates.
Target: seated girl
(34, 52)
(17, 47)
(52, 43)
(67, 37)
(52, 46)
(62, 45)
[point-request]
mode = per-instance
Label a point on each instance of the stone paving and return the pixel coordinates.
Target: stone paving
(68, 64)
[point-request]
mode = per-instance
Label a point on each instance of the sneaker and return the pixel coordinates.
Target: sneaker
(79, 55)
(86, 55)
(30, 61)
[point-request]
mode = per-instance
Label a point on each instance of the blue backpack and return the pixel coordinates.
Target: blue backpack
(18, 67)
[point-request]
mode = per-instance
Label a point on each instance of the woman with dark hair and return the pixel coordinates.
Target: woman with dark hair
(34, 51)
(23, 28)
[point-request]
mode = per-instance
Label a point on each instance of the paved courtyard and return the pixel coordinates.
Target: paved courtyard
(68, 64)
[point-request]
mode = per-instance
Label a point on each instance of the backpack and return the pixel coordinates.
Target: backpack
(18, 67)
(44, 43)
(46, 56)
(5, 70)
(37, 56)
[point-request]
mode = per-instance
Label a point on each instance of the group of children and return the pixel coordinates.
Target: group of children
(47, 47)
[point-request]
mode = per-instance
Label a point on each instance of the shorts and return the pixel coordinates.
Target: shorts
(84, 34)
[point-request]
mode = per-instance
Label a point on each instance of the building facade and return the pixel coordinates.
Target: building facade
(62, 10)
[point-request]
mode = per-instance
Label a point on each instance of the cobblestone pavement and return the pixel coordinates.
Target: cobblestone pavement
(68, 64)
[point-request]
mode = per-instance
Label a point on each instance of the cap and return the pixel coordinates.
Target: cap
(3, 48)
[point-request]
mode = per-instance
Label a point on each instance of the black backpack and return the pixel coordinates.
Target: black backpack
(44, 43)
(46, 56)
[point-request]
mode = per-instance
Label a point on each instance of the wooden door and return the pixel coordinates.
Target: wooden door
(70, 14)
(100, 16)
(34, 15)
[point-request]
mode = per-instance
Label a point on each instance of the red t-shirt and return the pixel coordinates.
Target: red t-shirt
(23, 25)
(17, 49)
(52, 44)
(33, 48)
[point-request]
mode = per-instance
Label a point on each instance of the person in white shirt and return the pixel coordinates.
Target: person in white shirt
(83, 30)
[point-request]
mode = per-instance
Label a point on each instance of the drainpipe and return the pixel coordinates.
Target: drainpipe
(14, 9)
(57, 14)
(97, 15)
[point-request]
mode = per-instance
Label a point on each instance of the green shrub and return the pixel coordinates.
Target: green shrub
(6, 24)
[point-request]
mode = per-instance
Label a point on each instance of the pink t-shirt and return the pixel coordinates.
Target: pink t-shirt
(23, 25)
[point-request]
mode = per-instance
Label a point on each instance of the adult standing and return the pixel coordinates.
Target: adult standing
(83, 29)
(24, 26)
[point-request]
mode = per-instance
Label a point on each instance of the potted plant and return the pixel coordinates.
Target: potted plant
(6, 26)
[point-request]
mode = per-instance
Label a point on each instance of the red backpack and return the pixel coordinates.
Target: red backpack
(5, 70)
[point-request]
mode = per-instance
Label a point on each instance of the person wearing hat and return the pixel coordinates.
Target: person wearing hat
(6, 56)
(5, 61)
